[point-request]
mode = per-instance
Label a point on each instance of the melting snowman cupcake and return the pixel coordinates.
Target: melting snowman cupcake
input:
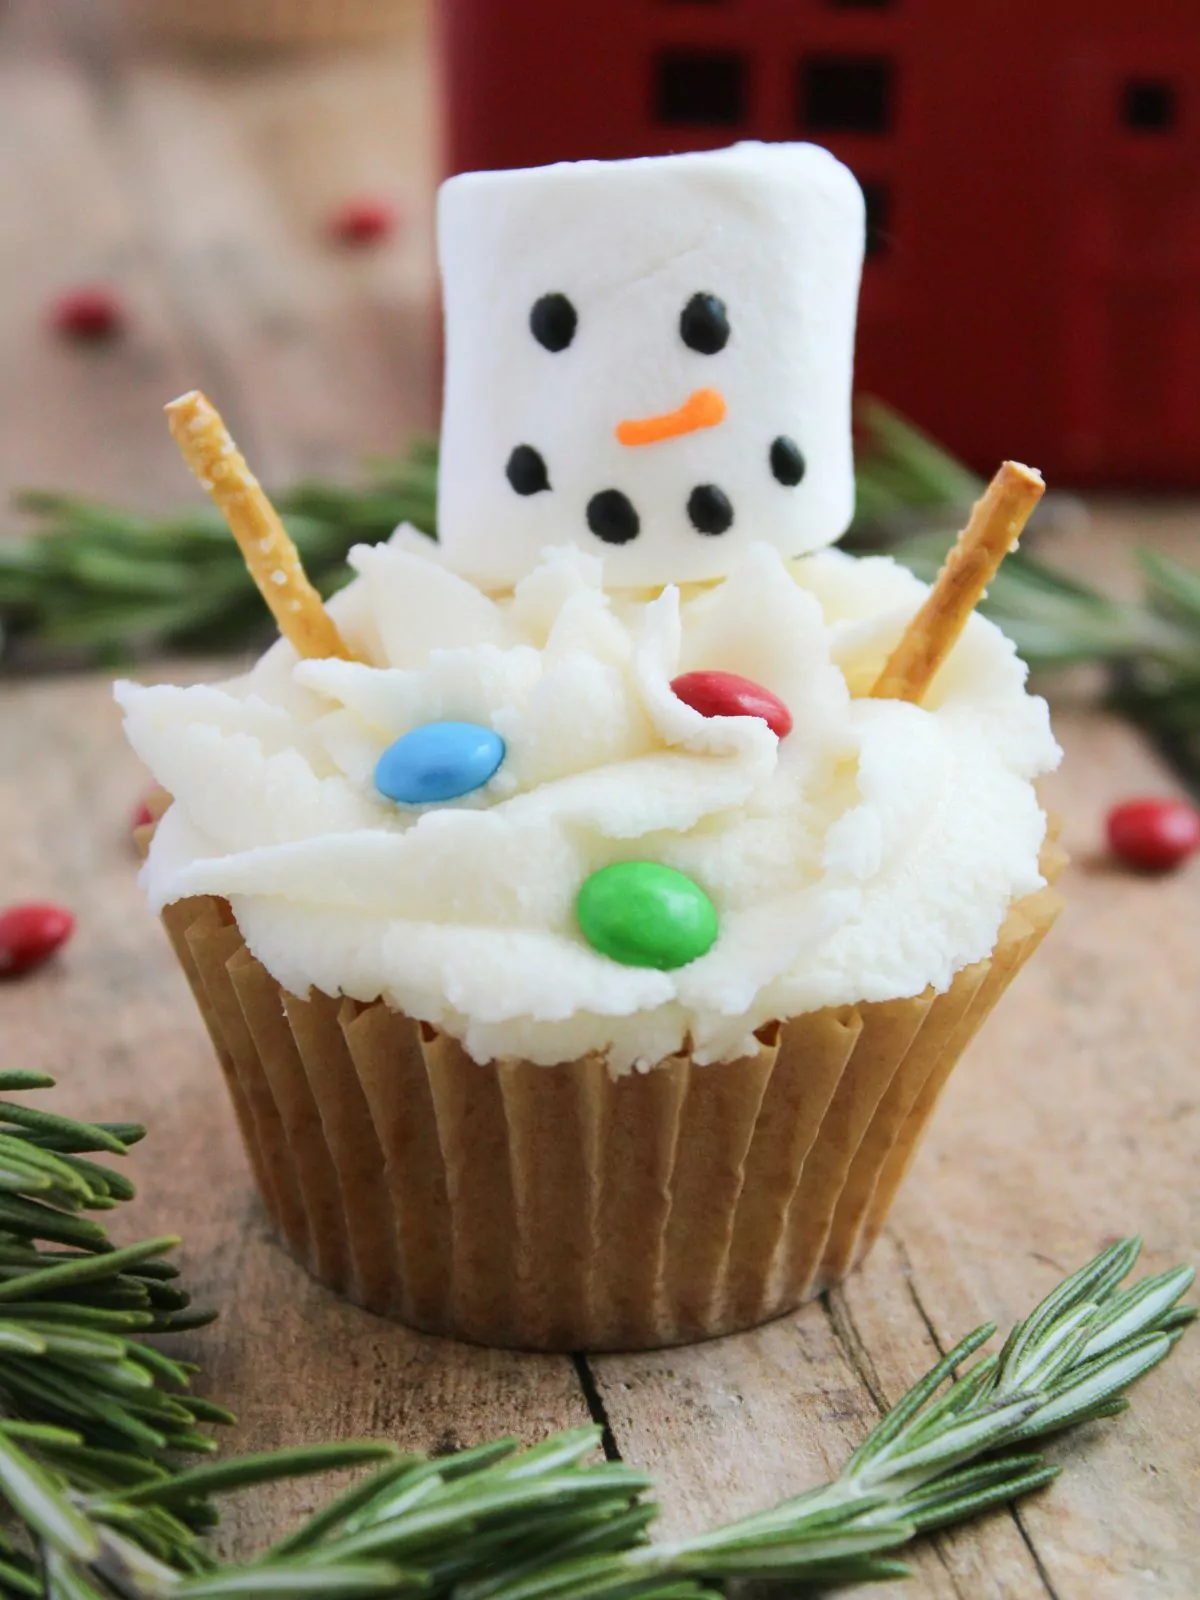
(588, 909)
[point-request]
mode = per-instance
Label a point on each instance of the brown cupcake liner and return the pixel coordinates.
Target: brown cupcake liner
(557, 1208)
(275, 21)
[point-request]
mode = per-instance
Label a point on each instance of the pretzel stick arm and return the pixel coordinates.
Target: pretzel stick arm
(994, 527)
(272, 558)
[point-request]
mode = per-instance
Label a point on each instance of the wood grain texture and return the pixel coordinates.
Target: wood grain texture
(75, 418)
(201, 190)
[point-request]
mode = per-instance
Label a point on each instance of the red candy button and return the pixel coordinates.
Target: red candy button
(30, 934)
(91, 313)
(724, 694)
(363, 220)
(1154, 835)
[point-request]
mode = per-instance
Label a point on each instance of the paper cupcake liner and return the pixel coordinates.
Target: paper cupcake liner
(275, 21)
(557, 1208)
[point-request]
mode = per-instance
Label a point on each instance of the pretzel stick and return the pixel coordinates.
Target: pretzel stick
(993, 529)
(272, 558)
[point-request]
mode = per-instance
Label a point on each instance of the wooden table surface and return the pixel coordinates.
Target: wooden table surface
(199, 190)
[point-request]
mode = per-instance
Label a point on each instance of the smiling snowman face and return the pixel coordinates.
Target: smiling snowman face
(650, 359)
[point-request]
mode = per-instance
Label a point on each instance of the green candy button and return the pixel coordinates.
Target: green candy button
(646, 915)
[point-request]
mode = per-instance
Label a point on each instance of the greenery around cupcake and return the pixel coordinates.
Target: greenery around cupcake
(98, 583)
(99, 1425)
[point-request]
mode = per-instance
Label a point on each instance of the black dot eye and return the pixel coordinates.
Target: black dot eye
(611, 516)
(553, 322)
(710, 509)
(526, 470)
(787, 463)
(704, 324)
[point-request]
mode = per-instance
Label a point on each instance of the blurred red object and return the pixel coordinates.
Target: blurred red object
(91, 313)
(142, 816)
(1031, 172)
(363, 221)
(1154, 835)
(30, 934)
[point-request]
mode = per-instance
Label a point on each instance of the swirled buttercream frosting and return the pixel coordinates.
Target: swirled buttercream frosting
(869, 855)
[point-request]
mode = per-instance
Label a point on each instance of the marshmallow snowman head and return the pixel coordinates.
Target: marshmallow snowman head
(650, 359)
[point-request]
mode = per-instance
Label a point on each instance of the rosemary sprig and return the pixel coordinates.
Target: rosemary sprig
(92, 1419)
(97, 580)
(96, 583)
(95, 1422)
(101, 582)
(912, 496)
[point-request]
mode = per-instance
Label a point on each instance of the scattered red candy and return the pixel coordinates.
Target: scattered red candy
(92, 313)
(30, 934)
(1154, 835)
(725, 694)
(363, 221)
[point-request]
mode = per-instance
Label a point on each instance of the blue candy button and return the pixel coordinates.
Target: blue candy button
(440, 761)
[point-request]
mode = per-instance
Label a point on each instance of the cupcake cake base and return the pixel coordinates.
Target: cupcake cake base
(559, 1208)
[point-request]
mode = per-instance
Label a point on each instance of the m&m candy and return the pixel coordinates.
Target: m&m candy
(30, 934)
(88, 314)
(1154, 834)
(643, 914)
(362, 220)
(725, 694)
(439, 761)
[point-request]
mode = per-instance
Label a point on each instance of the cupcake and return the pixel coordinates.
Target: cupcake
(588, 909)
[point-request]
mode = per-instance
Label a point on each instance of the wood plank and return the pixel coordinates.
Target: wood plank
(200, 191)
(1072, 1120)
(83, 419)
(112, 1019)
(317, 354)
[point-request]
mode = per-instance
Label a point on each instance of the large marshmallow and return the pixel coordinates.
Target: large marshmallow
(775, 232)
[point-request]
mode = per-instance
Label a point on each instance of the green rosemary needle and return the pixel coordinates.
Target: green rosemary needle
(98, 583)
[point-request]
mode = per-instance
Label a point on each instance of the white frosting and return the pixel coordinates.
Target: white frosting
(870, 854)
(773, 230)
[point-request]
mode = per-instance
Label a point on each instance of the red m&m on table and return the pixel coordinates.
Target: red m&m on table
(363, 220)
(91, 313)
(30, 934)
(725, 694)
(1154, 834)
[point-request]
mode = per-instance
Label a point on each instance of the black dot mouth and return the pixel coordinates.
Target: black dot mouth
(612, 517)
(710, 510)
(526, 470)
(787, 462)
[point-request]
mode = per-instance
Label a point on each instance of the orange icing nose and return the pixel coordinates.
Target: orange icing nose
(702, 409)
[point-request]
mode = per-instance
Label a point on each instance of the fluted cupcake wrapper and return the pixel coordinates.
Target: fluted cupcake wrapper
(559, 1208)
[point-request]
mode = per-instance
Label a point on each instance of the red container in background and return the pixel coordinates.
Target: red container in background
(1032, 172)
